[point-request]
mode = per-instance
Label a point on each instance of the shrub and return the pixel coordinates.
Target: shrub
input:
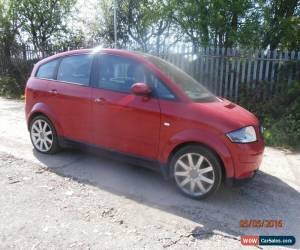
(13, 81)
(9, 87)
(279, 114)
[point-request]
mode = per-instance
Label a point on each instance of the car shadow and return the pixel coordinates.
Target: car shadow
(266, 197)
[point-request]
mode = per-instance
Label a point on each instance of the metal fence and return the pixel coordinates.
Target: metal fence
(224, 71)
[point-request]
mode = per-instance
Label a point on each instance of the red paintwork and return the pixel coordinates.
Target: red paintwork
(135, 124)
(126, 122)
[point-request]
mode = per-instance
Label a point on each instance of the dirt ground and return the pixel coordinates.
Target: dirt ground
(74, 200)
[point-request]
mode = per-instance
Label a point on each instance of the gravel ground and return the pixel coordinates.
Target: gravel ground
(82, 201)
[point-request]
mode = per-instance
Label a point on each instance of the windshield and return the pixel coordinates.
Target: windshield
(193, 89)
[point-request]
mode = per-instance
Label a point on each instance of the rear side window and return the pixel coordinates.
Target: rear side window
(47, 70)
(75, 69)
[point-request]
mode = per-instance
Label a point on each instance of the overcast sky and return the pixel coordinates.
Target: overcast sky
(85, 12)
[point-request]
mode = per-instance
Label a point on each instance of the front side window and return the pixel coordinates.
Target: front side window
(47, 70)
(193, 89)
(75, 69)
(119, 73)
(159, 87)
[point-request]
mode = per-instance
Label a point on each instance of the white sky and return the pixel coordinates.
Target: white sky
(85, 12)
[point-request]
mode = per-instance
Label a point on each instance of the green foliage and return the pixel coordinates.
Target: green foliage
(102, 27)
(9, 26)
(281, 24)
(280, 114)
(144, 23)
(43, 20)
(9, 87)
(154, 24)
(216, 22)
(202, 22)
(148, 21)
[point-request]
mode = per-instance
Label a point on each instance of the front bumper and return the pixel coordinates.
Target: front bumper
(235, 182)
(247, 159)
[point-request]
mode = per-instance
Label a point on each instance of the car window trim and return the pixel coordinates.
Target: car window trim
(69, 83)
(77, 54)
(54, 72)
(96, 78)
(57, 67)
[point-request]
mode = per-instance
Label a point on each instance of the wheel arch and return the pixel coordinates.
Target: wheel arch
(191, 143)
(44, 110)
(213, 141)
(33, 115)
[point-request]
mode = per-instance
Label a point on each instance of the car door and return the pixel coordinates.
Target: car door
(123, 121)
(71, 96)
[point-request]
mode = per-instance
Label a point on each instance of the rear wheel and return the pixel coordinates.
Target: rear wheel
(43, 135)
(197, 171)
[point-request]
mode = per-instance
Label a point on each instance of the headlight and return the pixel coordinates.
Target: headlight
(243, 135)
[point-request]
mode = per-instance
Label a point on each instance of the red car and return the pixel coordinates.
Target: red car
(145, 110)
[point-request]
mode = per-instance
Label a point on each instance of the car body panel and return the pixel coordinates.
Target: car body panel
(126, 122)
(72, 105)
(145, 126)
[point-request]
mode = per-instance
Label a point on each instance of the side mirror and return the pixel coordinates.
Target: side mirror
(140, 89)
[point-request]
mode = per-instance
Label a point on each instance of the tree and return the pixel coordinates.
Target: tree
(281, 24)
(211, 22)
(102, 27)
(148, 23)
(9, 38)
(193, 18)
(42, 20)
(140, 24)
(9, 26)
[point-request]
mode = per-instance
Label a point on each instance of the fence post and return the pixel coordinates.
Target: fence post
(227, 62)
(254, 76)
(249, 68)
(237, 76)
(211, 68)
(273, 57)
(261, 57)
(267, 66)
(216, 71)
(223, 58)
(244, 65)
(291, 71)
(232, 68)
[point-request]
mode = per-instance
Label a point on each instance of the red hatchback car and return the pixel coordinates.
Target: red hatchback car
(146, 110)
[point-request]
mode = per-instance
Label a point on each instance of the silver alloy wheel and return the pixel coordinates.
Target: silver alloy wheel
(194, 174)
(41, 135)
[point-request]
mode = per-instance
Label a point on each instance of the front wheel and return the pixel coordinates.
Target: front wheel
(43, 135)
(197, 171)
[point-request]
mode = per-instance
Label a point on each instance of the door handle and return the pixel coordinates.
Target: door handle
(100, 100)
(53, 91)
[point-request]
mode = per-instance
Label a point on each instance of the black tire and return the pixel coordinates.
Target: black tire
(209, 162)
(54, 147)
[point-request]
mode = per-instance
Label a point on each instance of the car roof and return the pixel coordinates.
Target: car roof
(130, 54)
(121, 52)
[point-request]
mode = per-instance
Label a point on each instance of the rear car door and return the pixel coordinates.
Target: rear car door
(71, 96)
(123, 121)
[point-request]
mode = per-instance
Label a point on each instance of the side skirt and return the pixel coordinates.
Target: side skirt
(115, 155)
